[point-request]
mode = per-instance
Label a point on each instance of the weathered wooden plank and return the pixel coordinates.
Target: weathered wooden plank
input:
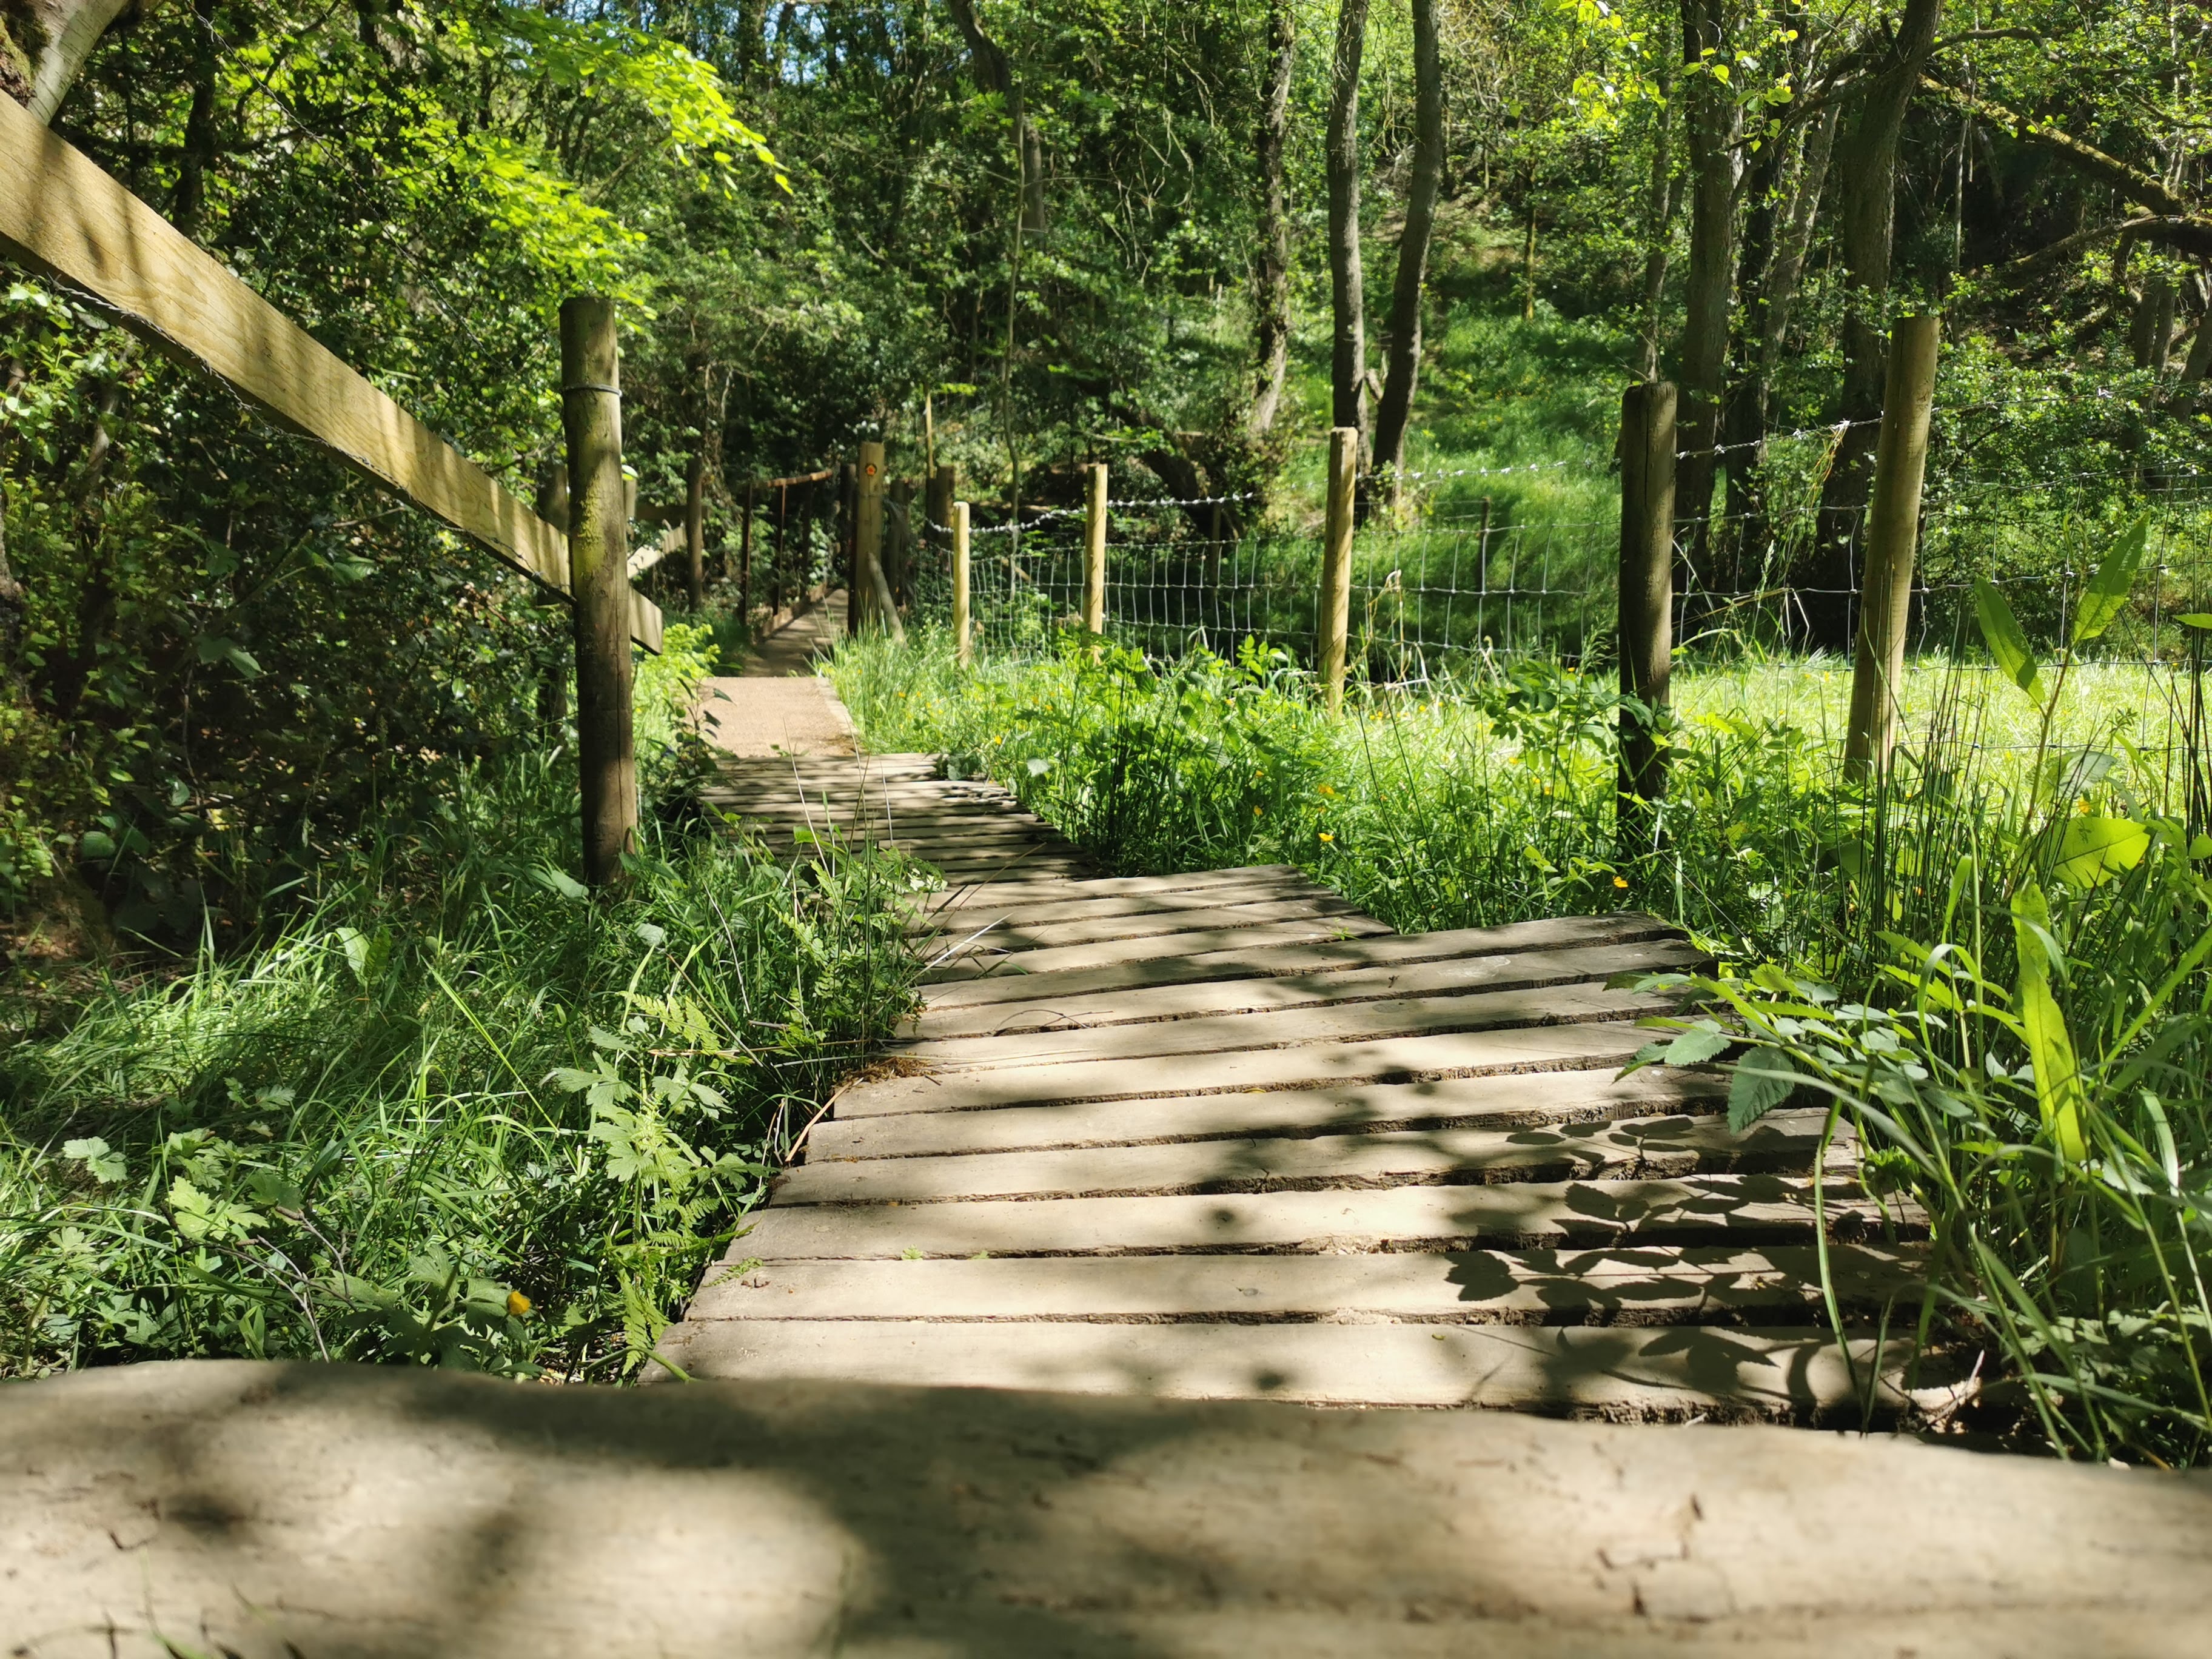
(1752, 1208)
(1369, 1020)
(1517, 1100)
(952, 1026)
(1053, 935)
(1669, 1372)
(1040, 910)
(1784, 1142)
(1398, 1059)
(1655, 1284)
(1121, 886)
(1056, 959)
(62, 216)
(1246, 958)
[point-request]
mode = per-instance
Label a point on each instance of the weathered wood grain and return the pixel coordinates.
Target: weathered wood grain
(1058, 958)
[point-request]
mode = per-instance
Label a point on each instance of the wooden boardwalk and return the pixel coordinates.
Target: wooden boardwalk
(1221, 1135)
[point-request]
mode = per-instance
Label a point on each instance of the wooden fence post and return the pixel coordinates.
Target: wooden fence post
(848, 558)
(943, 486)
(963, 618)
(598, 579)
(1892, 536)
(1333, 616)
(1094, 551)
(868, 540)
(1647, 594)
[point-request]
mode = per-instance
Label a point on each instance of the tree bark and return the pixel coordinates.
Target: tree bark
(995, 74)
(1658, 224)
(1272, 284)
(1868, 158)
(1348, 337)
(44, 45)
(1713, 128)
(189, 210)
(695, 484)
(1402, 375)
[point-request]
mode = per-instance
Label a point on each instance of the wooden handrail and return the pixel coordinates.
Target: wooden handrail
(60, 215)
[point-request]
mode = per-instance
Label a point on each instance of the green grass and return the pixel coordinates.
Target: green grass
(1896, 948)
(454, 1111)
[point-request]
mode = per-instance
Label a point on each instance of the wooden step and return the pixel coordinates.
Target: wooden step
(1651, 1285)
(1043, 908)
(1313, 1065)
(1751, 1208)
(978, 960)
(984, 895)
(1515, 1100)
(1668, 1372)
(1019, 979)
(1783, 1141)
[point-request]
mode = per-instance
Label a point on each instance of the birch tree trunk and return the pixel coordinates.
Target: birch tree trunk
(1271, 281)
(1348, 337)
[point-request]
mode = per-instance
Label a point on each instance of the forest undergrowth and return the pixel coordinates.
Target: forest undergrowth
(1990, 960)
(453, 1110)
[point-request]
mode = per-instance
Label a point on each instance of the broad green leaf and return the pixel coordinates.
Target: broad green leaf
(2058, 1095)
(1763, 1080)
(2195, 619)
(561, 882)
(2014, 658)
(1698, 1044)
(2106, 594)
(102, 1163)
(2092, 851)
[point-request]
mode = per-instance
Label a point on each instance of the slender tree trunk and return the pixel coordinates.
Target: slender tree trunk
(1271, 294)
(1404, 368)
(44, 45)
(1868, 165)
(1796, 239)
(1740, 545)
(1658, 224)
(1348, 341)
(695, 484)
(189, 206)
(995, 74)
(1713, 128)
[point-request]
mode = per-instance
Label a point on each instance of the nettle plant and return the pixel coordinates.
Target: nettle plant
(2030, 1071)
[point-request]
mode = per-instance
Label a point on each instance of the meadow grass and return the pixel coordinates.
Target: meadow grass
(453, 1110)
(1990, 959)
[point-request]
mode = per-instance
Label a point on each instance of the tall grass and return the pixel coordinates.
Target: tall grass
(1991, 957)
(454, 1110)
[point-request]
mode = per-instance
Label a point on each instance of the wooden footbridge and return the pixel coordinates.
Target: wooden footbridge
(1221, 1135)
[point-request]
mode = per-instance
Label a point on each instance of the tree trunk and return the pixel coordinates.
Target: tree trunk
(1713, 128)
(1348, 341)
(1739, 547)
(1272, 284)
(694, 485)
(995, 74)
(1658, 224)
(189, 206)
(1796, 239)
(44, 45)
(1404, 370)
(1868, 158)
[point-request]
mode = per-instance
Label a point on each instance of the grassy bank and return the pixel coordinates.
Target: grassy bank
(1992, 963)
(453, 1110)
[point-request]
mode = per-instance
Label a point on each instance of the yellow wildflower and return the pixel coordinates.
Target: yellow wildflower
(516, 1304)
(1621, 881)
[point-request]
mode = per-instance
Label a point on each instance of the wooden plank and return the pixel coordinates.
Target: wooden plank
(61, 215)
(1783, 1142)
(1054, 935)
(1514, 1101)
(1122, 886)
(978, 961)
(1398, 1059)
(1369, 1020)
(1039, 909)
(1751, 1208)
(951, 1026)
(1246, 958)
(1656, 1285)
(1698, 1371)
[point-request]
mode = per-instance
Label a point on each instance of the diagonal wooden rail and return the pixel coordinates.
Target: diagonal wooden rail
(1221, 1135)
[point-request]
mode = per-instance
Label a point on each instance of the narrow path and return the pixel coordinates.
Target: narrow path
(1220, 1136)
(776, 704)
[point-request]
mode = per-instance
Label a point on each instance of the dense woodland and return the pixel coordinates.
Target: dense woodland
(251, 706)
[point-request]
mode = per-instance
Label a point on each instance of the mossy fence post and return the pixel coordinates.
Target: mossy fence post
(1094, 549)
(1892, 539)
(1647, 603)
(599, 580)
(1332, 616)
(962, 619)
